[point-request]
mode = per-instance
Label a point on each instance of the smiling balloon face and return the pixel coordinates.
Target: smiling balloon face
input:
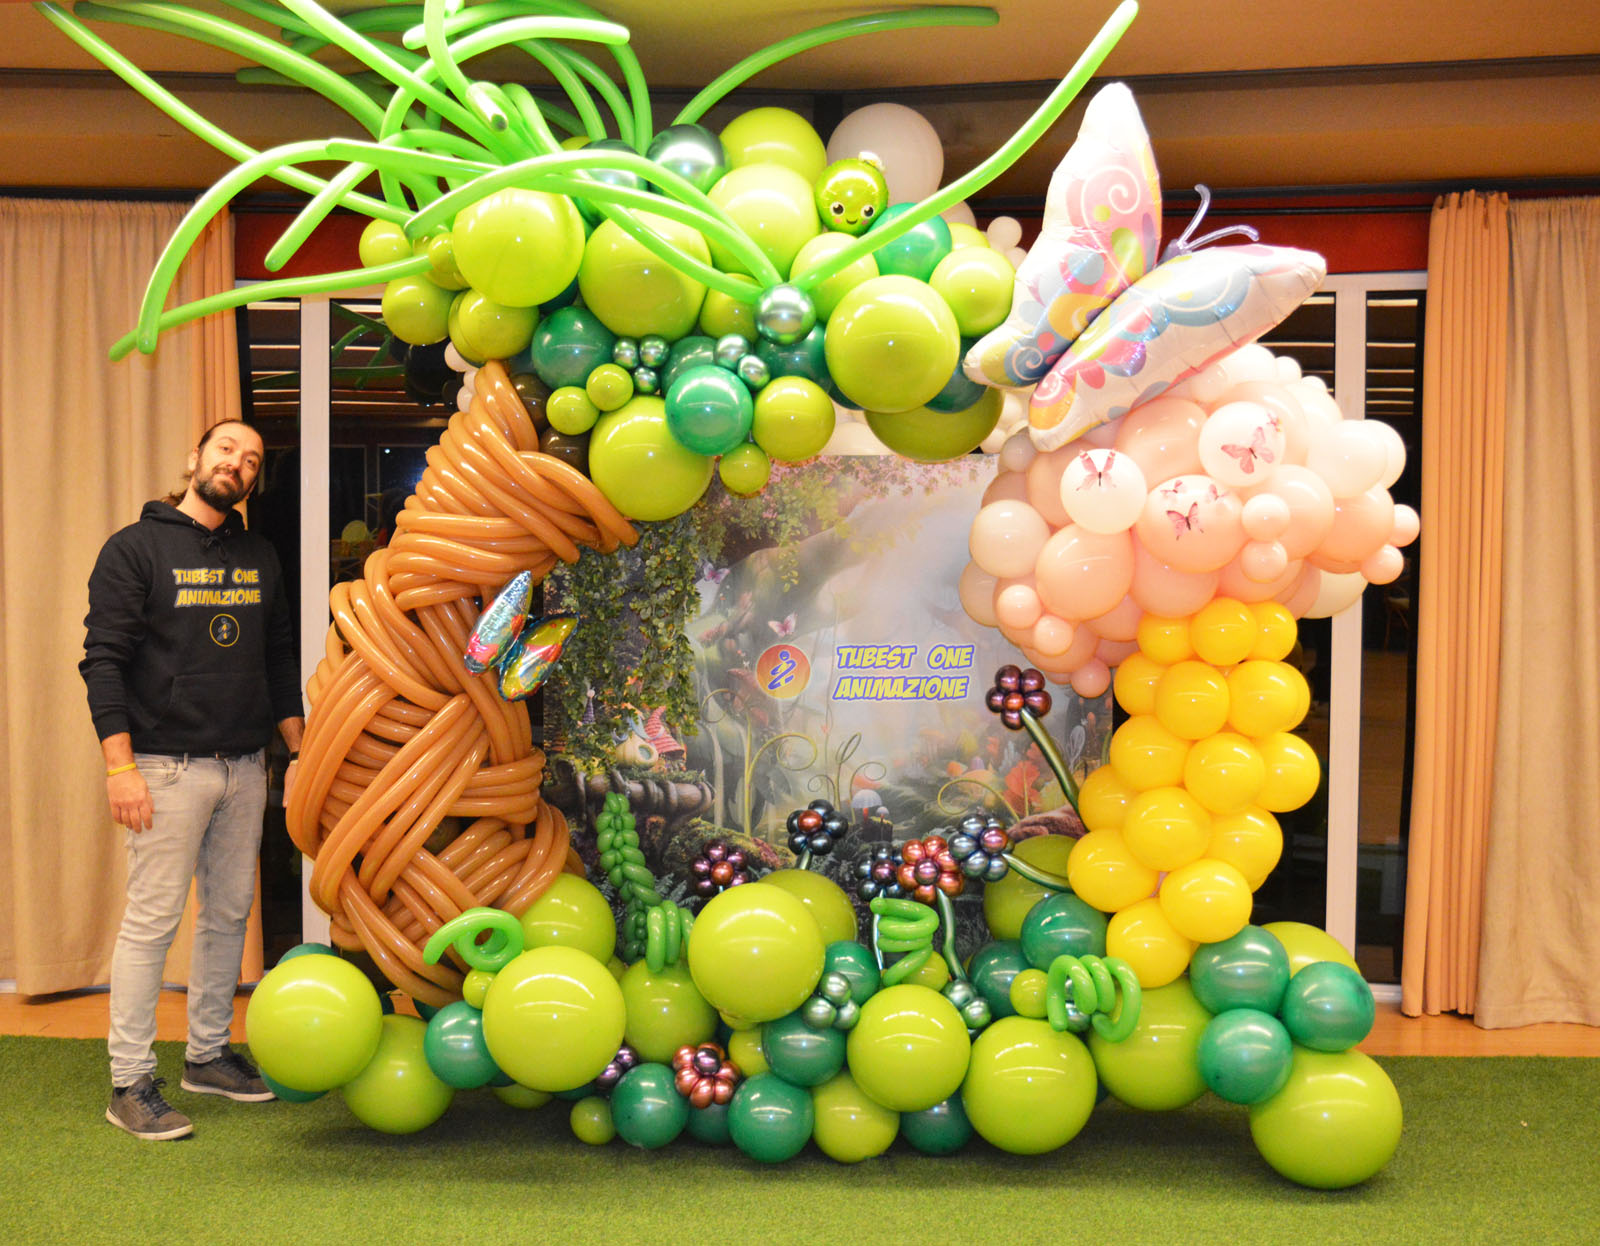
(851, 195)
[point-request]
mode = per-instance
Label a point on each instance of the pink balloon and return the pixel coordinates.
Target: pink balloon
(1263, 561)
(1164, 591)
(1017, 606)
(1384, 566)
(976, 590)
(1121, 622)
(1082, 574)
(1264, 518)
(1007, 487)
(1361, 524)
(1006, 538)
(1298, 597)
(1052, 636)
(1280, 402)
(1163, 437)
(1310, 508)
(1233, 582)
(1114, 652)
(1407, 524)
(1044, 484)
(1091, 679)
(1191, 523)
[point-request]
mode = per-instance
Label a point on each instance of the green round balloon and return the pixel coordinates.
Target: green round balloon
(756, 952)
(571, 411)
(483, 329)
(1006, 903)
(775, 136)
(1335, 1123)
(634, 291)
(709, 410)
(1062, 925)
(455, 1047)
(646, 1107)
(826, 294)
(891, 344)
(769, 1119)
(519, 247)
(665, 1011)
(308, 949)
(1029, 1089)
(641, 467)
(909, 1049)
(518, 1096)
(942, 1129)
(960, 391)
(553, 1018)
(591, 1121)
(722, 314)
(571, 913)
(1328, 1007)
(799, 1054)
(855, 962)
(849, 1127)
(289, 1094)
(397, 1093)
(806, 358)
(1250, 970)
(416, 311)
(1245, 1055)
(314, 1023)
(1307, 944)
(915, 253)
(694, 351)
(609, 387)
(977, 283)
(774, 205)
(382, 242)
(824, 899)
(569, 344)
(793, 419)
(992, 969)
(745, 470)
(931, 436)
(709, 1124)
(1157, 1067)
(443, 270)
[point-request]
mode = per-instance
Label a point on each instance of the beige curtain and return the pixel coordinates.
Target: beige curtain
(1463, 413)
(83, 444)
(1541, 931)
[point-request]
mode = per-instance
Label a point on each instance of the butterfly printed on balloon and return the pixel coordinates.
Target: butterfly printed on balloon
(1097, 325)
(1258, 451)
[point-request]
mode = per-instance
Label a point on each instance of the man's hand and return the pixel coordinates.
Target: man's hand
(130, 801)
(288, 781)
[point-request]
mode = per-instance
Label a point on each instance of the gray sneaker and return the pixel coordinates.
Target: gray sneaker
(229, 1075)
(142, 1111)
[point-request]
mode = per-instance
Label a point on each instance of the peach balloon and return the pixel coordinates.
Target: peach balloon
(1310, 508)
(1006, 538)
(1264, 518)
(1100, 437)
(1115, 652)
(1082, 574)
(1085, 640)
(1016, 636)
(1361, 526)
(1383, 566)
(1018, 606)
(1394, 451)
(1163, 437)
(1007, 487)
(1264, 561)
(1091, 679)
(1121, 622)
(1052, 636)
(1044, 484)
(976, 591)
(1233, 582)
(1297, 598)
(1407, 523)
(1165, 591)
(1192, 524)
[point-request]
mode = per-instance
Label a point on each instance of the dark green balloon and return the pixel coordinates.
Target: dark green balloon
(770, 1120)
(695, 351)
(426, 1011)
(959, 391)
(1328, 1007)
(288, 1093)
(576, 1093)
(803, 358)
(709, 1124)
(992, 968)
(1249, 970)
(800, 1054)
(646, 1107)
(568, 345)
(915, 253)
(1245, 1055)
(942, 1129)
(308, 949)
(1062, 925)
(455, 1047)
(856, 964)
(709, 410)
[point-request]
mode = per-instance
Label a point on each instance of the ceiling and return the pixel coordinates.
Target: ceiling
(1269, 94)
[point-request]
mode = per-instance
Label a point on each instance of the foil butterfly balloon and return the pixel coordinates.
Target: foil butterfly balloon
(523, 651)
(1095, 321)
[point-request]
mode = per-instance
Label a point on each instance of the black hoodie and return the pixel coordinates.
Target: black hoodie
(190, 644)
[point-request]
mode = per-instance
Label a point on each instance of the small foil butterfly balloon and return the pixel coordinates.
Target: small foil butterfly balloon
(498, 626)
(536, 650)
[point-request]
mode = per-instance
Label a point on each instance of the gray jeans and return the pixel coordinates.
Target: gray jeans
(207, 828)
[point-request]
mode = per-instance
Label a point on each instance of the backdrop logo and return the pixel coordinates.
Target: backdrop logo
(783, 671)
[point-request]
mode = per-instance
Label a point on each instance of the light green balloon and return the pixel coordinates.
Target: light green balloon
(314, 1022)
(825, 295)
(553, 1018)
(931, 436)
(1007, 902)
(1029, 1089)
(1334, 1124)
(644, 470)
(665, 1011)
(745, 470)
(397, 1093)
(775, 136)
(1307, 944)
(909, 1049)
(591, 1122)
(417, 311)
(722, 314)
(1157, 1067)
(824, 899)
(774, 205)
(849, 1126)
(794, 418)
(483, 329)
(976, 283)
(571, 913)
(382, 242)
(517, 1096)
(891, 344)
(632, 289)
(519, 247)
(756, 952)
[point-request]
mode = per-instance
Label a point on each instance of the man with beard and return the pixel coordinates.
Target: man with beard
(189, 661)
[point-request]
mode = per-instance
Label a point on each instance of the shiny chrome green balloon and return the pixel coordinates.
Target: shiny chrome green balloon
(992, 968)
(646, 1107)
(691, 151)
(854, 962)
(1245, 1055)
(1328, 1007)
(1335, 1124)
(1062, 925)
(942, 1129)
(915, 253)
(568, 345)
(769, 1119)
(456, 1050)
(1250, 970)
(785, 313)
(800, 1054)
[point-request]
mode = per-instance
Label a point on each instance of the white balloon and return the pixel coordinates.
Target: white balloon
(453, 359)
(994, 441)
(1336, 593)
(960, 214)
(1103, 491)
(1349, 456)
(1394, 449)
(1249, 363)
(1004, 232)
(464, 398)
(1017, 453)
(904, 142)
(1241, 443)
(1288, 370)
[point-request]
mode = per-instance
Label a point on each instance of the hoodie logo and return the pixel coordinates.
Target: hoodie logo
(224, 629)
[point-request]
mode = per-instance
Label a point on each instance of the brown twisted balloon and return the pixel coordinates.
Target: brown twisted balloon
(401, 735)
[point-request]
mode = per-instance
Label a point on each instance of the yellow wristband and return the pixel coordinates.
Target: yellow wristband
(116, 770)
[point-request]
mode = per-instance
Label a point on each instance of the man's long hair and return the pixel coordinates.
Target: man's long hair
(172, 499)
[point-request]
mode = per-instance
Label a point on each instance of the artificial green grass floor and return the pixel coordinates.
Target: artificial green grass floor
(1494, 1150)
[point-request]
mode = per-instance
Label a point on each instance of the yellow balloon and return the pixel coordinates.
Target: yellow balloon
(1105, 873)
(1293, 772)
(1223, 631)
(1135, 684)
(1263, 697)
(1276, 631)
(1192, 700)
(1165, 640)
(1165, 828)
(1251, 841)
(1103, 799)
(1307, 945)
(1143, 936)
(1224, 773)
(1302, 705)
(1207, 901)
(1145, 754)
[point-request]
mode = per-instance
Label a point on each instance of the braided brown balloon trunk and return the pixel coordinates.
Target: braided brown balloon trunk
(401, 735)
